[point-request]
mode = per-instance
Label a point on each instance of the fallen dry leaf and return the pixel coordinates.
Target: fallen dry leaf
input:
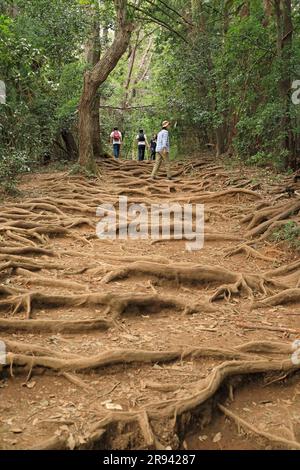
(71, 442)
(17, 430)
(30, 384)
(113, 406)
(217, 437)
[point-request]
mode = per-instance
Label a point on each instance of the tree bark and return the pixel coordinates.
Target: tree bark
(93, 51)
(220, 140)
(92, 81)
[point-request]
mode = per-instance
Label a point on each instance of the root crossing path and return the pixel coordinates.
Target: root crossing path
(142, 344)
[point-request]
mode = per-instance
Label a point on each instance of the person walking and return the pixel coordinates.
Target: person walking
(142, 142)
(153, 143)
(162, 150)
(116, 141)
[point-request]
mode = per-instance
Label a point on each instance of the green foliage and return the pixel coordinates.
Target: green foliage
(11, 164)
(39, 50)
(213, 69)
(68, 93)
(290, 233)
(79, 170)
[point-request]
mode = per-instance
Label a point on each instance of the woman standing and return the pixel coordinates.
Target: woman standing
(153, 144)
(142, 142)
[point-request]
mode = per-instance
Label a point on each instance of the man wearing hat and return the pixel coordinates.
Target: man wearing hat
(162, 150)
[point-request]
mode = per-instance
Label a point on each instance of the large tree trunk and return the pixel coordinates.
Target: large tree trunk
(92, 81)
(93, 51)
(220, 140)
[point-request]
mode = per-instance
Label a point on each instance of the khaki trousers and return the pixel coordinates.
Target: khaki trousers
(160, 157)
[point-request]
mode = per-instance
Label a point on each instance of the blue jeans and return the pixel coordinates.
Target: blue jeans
(117, 150)
(142, 149)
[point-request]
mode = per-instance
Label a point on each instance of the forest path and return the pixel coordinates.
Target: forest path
(133, 344)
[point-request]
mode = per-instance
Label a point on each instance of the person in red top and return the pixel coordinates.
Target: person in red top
(116, 140)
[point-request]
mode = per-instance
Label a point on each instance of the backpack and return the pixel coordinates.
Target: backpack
(116, 135)
(142, 137)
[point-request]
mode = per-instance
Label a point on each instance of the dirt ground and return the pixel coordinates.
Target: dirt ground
(130, 344)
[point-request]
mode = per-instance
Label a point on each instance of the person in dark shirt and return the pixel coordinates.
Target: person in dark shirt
(153, 144)
(142, 142)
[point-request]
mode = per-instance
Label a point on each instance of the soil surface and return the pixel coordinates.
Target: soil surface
(137, 344)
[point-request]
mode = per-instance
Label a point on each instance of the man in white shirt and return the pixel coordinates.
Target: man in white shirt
(162, 151)
(142, 142)
(116, 140)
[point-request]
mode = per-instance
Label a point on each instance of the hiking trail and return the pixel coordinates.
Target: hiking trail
(135, 344)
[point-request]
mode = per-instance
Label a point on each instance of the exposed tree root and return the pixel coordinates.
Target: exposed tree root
(213, 196)
(249, 252)
(284, 270)
(48, 281)
(265, 347)
(32, 349)
(76, 381)
(215, 379)
(181, 409)
(270, 231)
(208, 237)
(27, 250)
(27, 227)
(177, 272)
(114, 357)
(184, 408)
(116, 305)
(200, 274)
(270, 437)
(249, 326)
(266, 217)
(286, 297)
(169, 387)
(11, 261)
(127, 356)
(54, 326)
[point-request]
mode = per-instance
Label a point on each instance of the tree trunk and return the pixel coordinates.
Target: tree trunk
(92, 81)
(220, 140)
(93, 51)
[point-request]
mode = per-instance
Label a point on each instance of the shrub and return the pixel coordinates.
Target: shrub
(11, 164)
(290, 232)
